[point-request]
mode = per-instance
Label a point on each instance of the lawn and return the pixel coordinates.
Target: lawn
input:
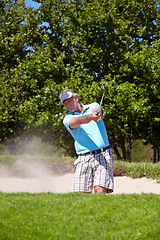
(79, 216)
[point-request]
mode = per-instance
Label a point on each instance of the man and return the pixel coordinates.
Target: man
(94, 166)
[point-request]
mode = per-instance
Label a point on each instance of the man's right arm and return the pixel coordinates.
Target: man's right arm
(78, 120)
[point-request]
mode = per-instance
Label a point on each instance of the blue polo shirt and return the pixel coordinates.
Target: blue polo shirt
(89, 136)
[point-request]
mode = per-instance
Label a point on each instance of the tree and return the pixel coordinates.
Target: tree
(76, 44)
(12, 43)
(147, 64)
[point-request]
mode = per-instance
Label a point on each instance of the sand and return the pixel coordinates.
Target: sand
(63, 184)
(36, 177)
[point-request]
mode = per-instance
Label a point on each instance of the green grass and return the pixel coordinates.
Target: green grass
(9, 159)
(49, 216)
(79, 216)
(137, 170)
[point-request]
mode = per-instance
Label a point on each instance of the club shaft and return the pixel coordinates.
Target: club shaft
(102, 99)
(101, 102)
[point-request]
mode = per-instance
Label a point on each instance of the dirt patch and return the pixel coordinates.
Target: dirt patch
(119, 172)
(62, 168)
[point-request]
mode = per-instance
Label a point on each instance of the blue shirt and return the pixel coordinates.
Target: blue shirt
(89, 136)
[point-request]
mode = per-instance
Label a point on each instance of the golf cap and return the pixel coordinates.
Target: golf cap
(66, 94)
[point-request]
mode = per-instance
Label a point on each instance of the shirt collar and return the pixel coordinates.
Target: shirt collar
(85, 108)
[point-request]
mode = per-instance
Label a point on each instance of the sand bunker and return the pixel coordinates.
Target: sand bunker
(63, 184)
(35, 178)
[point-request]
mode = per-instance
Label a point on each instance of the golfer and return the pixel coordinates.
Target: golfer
(94, 166)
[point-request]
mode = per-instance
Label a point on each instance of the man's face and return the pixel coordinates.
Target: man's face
(71, 104)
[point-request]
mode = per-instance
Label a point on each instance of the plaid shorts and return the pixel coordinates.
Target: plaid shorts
(94, 170)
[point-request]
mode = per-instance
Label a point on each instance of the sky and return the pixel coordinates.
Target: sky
(30, 3)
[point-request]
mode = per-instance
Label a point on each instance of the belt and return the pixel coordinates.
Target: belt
(95, 151)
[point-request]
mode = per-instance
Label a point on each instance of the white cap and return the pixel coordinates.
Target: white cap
(66, 94)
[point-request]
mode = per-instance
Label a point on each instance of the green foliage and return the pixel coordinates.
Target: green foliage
(8, 159)
(76, 44)
(140, 152)
(3, 149)
(79, 216)
(137, 170)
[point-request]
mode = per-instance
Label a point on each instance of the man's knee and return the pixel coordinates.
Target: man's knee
(99, 190)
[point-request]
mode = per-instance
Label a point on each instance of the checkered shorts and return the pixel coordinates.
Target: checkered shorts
(94, 170)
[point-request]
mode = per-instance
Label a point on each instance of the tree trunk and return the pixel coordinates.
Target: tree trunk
(123, 147)
(158, 158)
(129, 145)
(154, 155)
(117, 152)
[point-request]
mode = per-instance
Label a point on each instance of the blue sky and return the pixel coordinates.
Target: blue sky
(30, 3)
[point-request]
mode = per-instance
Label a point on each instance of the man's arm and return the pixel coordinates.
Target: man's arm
(78, 120)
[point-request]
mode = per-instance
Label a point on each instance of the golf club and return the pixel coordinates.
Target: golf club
(103, 89)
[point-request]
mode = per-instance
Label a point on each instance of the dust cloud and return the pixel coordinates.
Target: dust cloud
(26, 169)
(31, 150)
(35, 177)
(31, 173)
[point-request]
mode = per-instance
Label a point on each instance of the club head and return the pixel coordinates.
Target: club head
(101, 86)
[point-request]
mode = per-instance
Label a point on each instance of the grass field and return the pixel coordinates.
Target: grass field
(79, 216)
(49, 216)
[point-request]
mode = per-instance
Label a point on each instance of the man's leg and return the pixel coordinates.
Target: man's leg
(103, 174)
(99, 190)
(83, 180)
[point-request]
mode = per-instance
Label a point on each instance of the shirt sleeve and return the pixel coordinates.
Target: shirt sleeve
(94, 105)
(67, 120)
(70, 115)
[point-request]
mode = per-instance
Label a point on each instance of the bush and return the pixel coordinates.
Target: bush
(140, 152)
(4, 149)
(137, 170)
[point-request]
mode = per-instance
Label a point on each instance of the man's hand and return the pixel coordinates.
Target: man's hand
(97, 114)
